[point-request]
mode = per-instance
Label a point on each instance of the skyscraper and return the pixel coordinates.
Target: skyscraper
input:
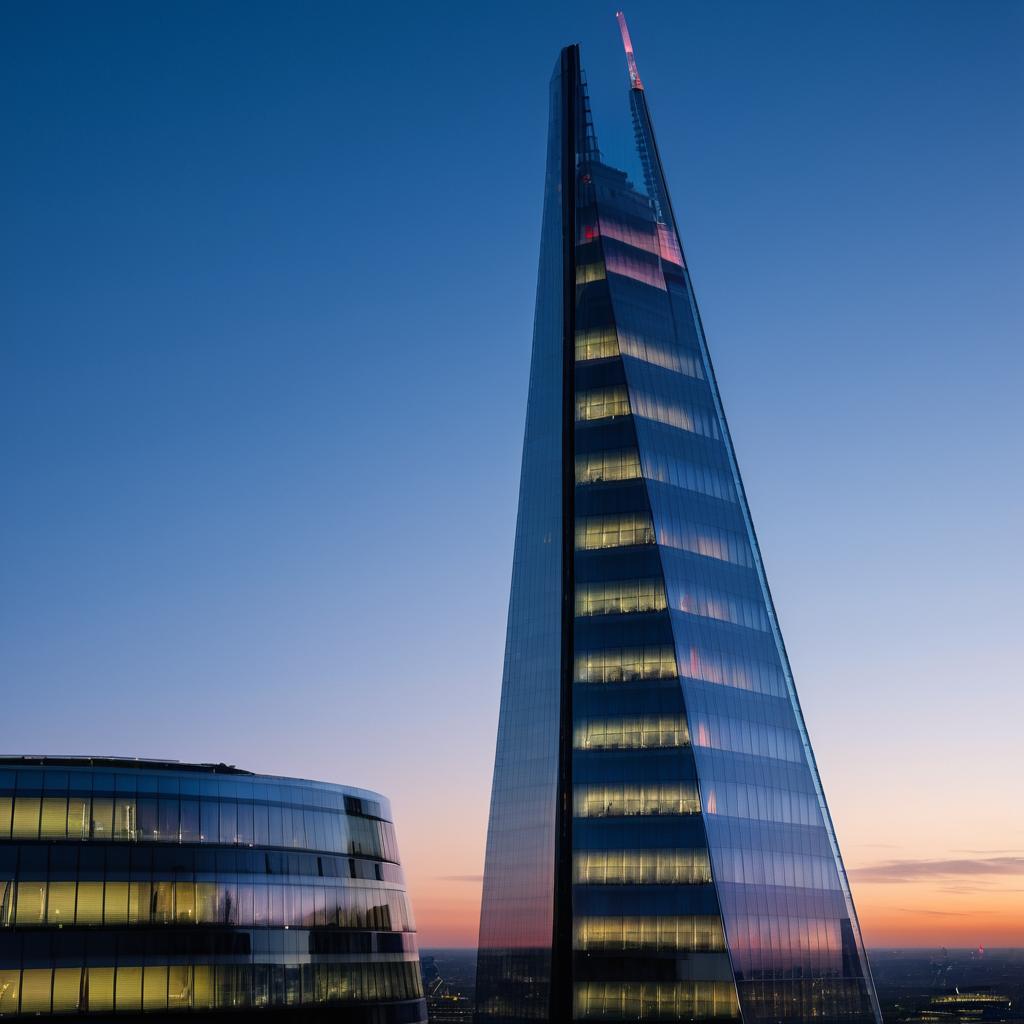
(659, 845)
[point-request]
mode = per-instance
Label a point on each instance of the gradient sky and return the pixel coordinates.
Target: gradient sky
(265, 311)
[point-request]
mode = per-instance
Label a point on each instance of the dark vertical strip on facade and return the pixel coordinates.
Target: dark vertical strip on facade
(561, 966)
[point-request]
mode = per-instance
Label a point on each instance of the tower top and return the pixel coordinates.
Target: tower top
(627, 45)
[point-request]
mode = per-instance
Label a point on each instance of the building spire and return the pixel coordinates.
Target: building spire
(627, 44)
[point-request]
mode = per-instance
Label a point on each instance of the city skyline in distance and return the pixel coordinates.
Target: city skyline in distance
(195, 513)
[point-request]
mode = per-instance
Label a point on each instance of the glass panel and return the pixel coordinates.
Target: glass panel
(179, 987)
(54, 822)
(128, 989)
(102, 817)
(79, 817)
(61, 903)
(116, 899)
(99, 989)
(26, 818)
(31, 903)
(35, 991)
(139, 902)
(10, 988)
(154, 988)
(90, 903)
(125, 826)
(67, 988)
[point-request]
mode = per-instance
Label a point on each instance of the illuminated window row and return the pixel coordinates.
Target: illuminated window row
(599, 467)
(635, 733)
(642, 867)
(170, 820)
(729, 670)
(605, 342)
(741, 736)
(623, 664)
(85, 904)
(202, 987)
(588, 272)
(713, 604)
(597, 344)
(661, 353)
(656, 1000)
(762, 803)
(620, 597)
(614, 531)
(692, 934)
(695, 419)
(629, 801)
(602, 403)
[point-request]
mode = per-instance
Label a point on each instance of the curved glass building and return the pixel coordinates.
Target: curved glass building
(659, 844)
(157, 888)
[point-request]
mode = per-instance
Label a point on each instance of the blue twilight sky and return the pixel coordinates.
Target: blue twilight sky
(265, 312)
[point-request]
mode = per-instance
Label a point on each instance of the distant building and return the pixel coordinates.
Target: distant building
(982, 1005)
(659, 845)
(134, 887)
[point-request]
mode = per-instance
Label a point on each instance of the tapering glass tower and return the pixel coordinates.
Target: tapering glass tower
(659, 844)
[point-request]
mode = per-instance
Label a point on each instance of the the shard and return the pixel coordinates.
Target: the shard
(659, 845)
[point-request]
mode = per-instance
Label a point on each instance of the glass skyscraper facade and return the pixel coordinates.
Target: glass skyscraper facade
(159, 889)
(659, 844)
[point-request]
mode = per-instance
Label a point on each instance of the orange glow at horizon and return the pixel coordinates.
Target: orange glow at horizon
(929, 894)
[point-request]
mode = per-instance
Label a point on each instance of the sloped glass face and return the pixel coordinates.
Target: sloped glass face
(516, 919)
(660, 509)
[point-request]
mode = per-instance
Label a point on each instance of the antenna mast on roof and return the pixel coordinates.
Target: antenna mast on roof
(627, 44)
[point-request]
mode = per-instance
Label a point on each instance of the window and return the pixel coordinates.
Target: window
(54, 823)
(26, 818)
(67, 989)
(696, 600)
(623, 664)
(602, 403)
(61, 904)
(31, 908)
(691, 476)
(615, 801)
(635, 733)
(642, 867)
(726, 670)
(709, 541)
(620, 597)
(661, 353)
(588, 272)
(719, 732)
(600, 467)
(633, 265)
(656, 1000)
(697, 933)
(596, 344)
(695, 419)
(615, 531)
